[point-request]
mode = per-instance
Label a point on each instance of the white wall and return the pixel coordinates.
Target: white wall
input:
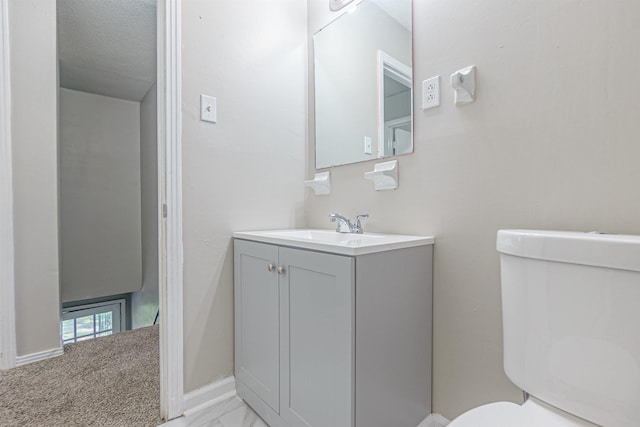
(346, 69)
(246, 171)
(99, 195)
(542, 147)
(35, 173)
(145, 302)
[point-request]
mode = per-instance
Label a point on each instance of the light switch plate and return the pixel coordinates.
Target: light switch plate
(431, 93)
(368, 145)
(208, 109)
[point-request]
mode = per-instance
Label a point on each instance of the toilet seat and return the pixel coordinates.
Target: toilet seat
(533, 413)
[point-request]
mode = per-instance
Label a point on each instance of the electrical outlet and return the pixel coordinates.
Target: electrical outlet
(431, 93)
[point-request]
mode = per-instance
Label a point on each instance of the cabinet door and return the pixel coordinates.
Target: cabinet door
(316, 346)
(257, 327)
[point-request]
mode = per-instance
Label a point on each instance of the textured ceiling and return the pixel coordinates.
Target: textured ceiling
(107, 47)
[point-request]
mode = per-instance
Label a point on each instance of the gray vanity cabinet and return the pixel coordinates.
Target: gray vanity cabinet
(257, 321)
(316, 330)
(328, 340)
(293, 329)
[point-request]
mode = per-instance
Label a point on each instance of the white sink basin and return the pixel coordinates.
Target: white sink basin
(334, 242)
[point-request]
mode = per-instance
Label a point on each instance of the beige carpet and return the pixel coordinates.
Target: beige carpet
(108, 381)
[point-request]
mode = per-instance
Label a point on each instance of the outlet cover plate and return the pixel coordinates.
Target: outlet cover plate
(431, 93)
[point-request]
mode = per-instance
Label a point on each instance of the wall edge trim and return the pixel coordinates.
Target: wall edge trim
(8, 346)
(169, 81)
(39, 356)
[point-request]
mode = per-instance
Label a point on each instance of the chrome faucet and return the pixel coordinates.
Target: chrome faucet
(345, 225)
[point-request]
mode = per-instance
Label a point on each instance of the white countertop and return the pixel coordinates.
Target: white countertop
(334, 242)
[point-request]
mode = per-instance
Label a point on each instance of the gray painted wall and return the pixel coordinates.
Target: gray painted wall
(34, 126)
(246, 171)
(542, 147)
(145, 301)
(99, 196)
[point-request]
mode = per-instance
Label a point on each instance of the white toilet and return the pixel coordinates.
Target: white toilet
(571, 318)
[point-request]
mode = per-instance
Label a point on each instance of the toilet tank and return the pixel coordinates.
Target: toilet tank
(571, 319)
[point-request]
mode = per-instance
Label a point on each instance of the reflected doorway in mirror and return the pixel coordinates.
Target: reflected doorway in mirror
(395, 102)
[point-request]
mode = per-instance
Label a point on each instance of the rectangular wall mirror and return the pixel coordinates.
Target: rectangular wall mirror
(363, 84)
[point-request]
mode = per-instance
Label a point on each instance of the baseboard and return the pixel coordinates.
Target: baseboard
(434, 420)
(41, 355)
(205, 399)
(209, 395)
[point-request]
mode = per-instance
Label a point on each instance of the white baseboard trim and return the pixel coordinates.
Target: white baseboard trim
(199, 403)
(209, 395)
(41, 355)
(434, 420)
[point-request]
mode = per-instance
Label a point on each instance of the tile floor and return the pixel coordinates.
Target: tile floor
(233, 412)
(240, 417)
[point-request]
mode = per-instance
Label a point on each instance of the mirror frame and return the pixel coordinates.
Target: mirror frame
(313, 100)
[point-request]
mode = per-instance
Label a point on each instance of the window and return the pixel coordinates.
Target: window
(84, 322)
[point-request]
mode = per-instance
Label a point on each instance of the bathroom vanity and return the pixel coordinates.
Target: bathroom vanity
(333, 329)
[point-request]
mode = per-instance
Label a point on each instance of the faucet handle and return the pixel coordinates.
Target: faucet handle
(357, 227)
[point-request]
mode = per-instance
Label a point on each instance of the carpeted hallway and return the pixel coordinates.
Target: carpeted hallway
(108, 381)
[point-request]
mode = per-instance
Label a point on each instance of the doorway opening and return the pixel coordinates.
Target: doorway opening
(168, 193)
(108, 169)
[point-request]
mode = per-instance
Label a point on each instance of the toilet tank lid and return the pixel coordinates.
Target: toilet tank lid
(616, 251)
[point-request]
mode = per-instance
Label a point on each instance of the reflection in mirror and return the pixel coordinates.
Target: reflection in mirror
(394, 106)
(363, 95)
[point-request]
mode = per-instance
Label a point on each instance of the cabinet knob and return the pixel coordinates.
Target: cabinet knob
(270, 267)
(281, 270)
